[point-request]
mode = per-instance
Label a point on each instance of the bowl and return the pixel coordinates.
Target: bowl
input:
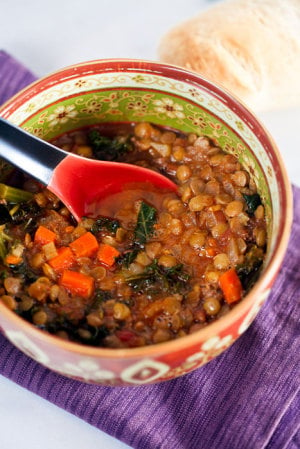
(136, 90)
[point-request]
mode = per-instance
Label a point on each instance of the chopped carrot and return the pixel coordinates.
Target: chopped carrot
(64, 259)
(231, 286)
(85, 246)
(211, 247)
(77, 283)
(11, 259)
(69, 229)
(44, 235)
(107, 254)
(211, 252)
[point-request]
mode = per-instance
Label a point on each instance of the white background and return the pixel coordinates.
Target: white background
(46, 36)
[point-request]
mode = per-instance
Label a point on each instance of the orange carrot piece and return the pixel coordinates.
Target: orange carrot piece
(64, 259)
(231, 286)
(44, 235)
(107, 254)
(69, 229)
(11, 259)
(77, 283)
(211, 252)
(85, 246)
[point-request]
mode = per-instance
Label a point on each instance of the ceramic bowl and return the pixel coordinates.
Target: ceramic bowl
(132, 90)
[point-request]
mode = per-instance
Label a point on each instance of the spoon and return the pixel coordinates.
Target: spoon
(77, 181)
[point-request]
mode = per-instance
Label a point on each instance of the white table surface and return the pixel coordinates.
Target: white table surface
(46, 36)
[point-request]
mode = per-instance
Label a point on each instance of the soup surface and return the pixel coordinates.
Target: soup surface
(148, 266)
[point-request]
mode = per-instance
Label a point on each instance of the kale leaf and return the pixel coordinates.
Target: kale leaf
(143, 230)
(248, 272)
(110, 224)
(94, 337)
(25, 211)
(252, 201)
(156, 278)
(145, 223)
(100, 297)
(127, 257)
(24, 270)
(106, 149)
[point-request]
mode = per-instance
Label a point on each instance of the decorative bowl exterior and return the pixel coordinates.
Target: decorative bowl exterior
(133, 90)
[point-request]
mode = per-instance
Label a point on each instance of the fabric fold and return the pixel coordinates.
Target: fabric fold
(248, 397)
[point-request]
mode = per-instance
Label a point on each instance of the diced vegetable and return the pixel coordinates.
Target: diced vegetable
(44, 235)
(85, 246)
(11, 259)
(125, 335)
(77, 283)
(64, 259)
(107, 254)
(14, 195)
(231, 286)
(49, 250)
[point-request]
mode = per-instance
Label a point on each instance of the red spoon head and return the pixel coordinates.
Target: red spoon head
(81, 183)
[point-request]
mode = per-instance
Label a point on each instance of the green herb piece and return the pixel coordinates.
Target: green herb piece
(3, 274)
(3, 249)
(100, 297)
(14, 195)
(97, 335)
(156, 278)
(93, 337)
(127, 258)
(4, 238)
(107, 223)
(252, 201)
(106, 149)
(26, 211)
(25, 215)
(24, 270)
(248, 272)
(145, 223)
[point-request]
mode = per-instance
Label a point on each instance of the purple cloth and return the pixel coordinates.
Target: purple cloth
(13, 76)
(247, 398)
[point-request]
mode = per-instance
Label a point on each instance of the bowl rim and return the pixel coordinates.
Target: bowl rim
(263, 284)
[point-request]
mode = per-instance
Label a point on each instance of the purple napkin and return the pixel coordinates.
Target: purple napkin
(247, 398)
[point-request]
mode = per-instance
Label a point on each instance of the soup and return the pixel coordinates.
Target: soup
(146, 266)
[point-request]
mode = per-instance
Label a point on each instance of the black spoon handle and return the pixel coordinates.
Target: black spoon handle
(29, 153)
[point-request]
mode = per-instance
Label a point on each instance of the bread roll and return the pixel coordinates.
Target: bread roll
(251, 47)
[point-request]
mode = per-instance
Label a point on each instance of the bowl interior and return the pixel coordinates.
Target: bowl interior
(111, 92)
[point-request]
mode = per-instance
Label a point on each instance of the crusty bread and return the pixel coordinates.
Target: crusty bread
(251, 47)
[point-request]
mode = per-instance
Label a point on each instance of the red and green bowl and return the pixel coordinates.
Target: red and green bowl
(135, 90)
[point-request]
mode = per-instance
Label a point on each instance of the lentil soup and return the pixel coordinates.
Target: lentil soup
(147, 266)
